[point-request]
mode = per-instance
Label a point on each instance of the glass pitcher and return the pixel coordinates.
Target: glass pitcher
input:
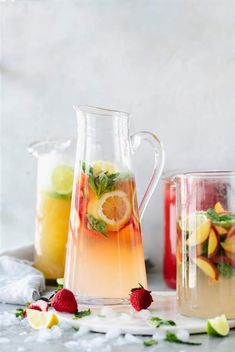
(54, 192)
(206, 243)
(105, 256)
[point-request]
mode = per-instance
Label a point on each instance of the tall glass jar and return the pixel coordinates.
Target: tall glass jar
(206, 244)
(54, 191)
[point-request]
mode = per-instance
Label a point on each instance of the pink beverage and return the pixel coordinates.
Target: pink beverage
(105, 257)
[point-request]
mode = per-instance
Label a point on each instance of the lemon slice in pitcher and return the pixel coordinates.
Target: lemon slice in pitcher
(114, 209)
(62, 179)
(217, 326)
(192, 221)
(38, 320)
(103, 166)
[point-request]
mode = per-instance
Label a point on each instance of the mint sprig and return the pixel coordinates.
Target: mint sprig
(102, 183)
(157, 322)
(20, 313)
(97, 224)
(150, 342)
(82, 314)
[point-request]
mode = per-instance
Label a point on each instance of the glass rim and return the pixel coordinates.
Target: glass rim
(183, 173)
(39, 148)
(100, 111)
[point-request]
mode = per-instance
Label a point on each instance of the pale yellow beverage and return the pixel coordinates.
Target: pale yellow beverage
(52, 223)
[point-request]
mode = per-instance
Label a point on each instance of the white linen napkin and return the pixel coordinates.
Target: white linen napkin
(19, 281)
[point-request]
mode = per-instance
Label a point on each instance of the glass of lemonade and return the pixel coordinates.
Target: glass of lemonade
(54, 190)
(206, 244)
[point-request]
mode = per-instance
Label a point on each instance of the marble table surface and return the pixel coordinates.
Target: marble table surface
(20, 338)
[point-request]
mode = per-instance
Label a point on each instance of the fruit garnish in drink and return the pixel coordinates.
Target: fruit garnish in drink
(100, 166)
(64, 301)
(62, 180)
(217, 326)
(140, 298)
(38, 320)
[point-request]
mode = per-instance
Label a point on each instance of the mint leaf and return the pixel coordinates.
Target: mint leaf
(20, 313)
(226, 270)
(97, 225)
(82, 314)
(171, 337)
(150, 342)
(156, 321)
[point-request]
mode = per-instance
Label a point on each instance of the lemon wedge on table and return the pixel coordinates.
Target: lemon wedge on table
(38, 320)
(217, 326)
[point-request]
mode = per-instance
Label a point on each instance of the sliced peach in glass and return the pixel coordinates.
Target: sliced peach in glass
(207, 267)
(213, 243)
(229, 244)
(218, 208)
(220, 230)
(200, 234)
(231, 231)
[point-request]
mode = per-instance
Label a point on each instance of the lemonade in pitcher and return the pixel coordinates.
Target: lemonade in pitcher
(105, 257)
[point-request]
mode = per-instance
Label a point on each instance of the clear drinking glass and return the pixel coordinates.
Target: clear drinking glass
(54, 191)
(105, 256)
(206, 243)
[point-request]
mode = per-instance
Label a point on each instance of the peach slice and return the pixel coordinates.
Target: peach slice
(231, 231)
(229, 244)
(200, 234)
(231, 257)
(213, 243)
(220, 230)
(218, 208)
(207, 267)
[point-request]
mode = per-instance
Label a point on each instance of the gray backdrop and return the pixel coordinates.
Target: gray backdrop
(171, 64)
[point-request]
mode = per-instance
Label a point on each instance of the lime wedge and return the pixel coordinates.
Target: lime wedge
(217, 326)
(62, 179)
(103, 166)
(39, 320)
(192, 221)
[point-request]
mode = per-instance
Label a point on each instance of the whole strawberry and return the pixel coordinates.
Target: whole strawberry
(140, 298)
(64, 301)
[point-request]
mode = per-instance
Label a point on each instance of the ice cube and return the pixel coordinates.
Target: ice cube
(113, 334)
(159, 335)
(132, 339)
(125, 316)
(108, 312)
(56, 332)
(144, 314)
(71, 344)
(83, 330)
(182, 334)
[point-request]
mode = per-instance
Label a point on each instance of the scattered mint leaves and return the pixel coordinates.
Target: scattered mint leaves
(97, 225)
(171, 337)
(157, 322)
(101, 315)
(226, 270)
(82, 314)
(150, 342)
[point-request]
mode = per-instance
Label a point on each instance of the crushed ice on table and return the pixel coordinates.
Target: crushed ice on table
(144, 314)
(132, 339)
(83, 330)
(125, 316)
(4, 340)
(159, 335)
(8, 319)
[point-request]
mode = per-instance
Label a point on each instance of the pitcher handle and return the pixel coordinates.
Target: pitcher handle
(159, 158)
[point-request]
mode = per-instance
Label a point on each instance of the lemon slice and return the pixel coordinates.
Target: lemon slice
(191, 222)
(38, 320)
(62, 179)
(114, 209)
(103, 166)
(217, 326)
